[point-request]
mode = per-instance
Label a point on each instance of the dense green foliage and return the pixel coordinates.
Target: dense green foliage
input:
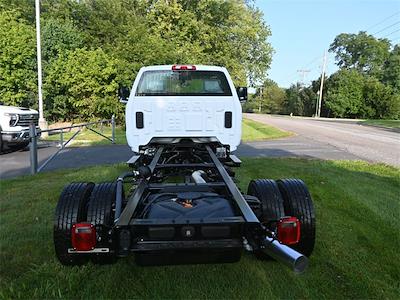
(17, 60)
(362, 52)
(345, 93)
(267, 99)
(92, 47)
(367, 84)
(357, 241)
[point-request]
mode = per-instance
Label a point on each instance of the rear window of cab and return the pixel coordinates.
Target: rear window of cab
(183, 83)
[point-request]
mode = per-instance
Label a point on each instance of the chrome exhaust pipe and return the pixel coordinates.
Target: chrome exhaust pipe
(293, 259)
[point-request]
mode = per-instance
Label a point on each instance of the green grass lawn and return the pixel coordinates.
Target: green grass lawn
(356, 254)
(255, 131)
(383, 123)
(251, 131)
(88, 138)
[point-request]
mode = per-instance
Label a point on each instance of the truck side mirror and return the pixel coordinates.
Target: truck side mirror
(123, 94)
(242, 93)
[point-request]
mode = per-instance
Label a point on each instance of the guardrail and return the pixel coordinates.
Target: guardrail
(33, 137)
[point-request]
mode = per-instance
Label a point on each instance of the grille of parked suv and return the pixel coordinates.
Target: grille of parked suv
(25, 120)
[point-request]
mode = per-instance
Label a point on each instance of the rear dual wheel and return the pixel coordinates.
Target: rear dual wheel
(100, 213)
(71, 209)
(286, 197)
(298, 203)
(84, 202)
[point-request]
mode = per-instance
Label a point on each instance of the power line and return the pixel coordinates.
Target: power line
(291, 76)
(379, 23)
(386, 28)
(391, 33)
(303, 73)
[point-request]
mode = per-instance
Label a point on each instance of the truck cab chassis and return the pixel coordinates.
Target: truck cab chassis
(179, 202)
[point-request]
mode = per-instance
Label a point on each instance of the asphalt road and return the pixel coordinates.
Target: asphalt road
(313, 139)
(368, 143)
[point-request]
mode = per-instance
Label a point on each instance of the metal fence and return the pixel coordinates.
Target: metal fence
(34, 134)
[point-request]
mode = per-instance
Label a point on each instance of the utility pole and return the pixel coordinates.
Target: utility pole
(261, 98)
(321, 86)
(303, 75)
(42, 121)
(316, 105)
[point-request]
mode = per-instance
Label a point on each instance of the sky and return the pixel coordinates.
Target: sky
(303, 29)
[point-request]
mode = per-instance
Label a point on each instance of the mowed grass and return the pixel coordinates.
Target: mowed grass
(356, 254)
(256, 131)
(251, 131)
(383, 123)
(89, 138)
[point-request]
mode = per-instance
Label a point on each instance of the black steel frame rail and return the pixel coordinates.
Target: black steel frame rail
(126, 215)
(133, 201)
(248, 214)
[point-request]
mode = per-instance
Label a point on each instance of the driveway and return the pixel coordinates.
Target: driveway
(313, 139)
(368, 143)
(17, 163)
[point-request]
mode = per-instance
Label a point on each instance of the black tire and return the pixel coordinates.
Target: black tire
(24, 145)
(267, 191)
(101, 212)
(255, 205)
(71, 209)
(298, 203)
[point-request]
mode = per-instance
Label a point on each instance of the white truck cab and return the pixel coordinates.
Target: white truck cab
(169, 103)
(14, 125)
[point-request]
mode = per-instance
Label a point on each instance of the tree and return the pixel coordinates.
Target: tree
(59, 36)
(269, 97)
(227, 33)
(379, 101)
(362, 52)
(18, 79)
(293, 103)
(82, 85)
(391, 70)
(122, 36)
(345, 93)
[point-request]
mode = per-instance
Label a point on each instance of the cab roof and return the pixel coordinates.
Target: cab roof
(169, 67)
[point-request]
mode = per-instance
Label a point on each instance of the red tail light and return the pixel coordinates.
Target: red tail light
(83, 236)
(183, 68)
(289, 230)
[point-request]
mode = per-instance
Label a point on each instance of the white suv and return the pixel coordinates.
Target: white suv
(14, 125)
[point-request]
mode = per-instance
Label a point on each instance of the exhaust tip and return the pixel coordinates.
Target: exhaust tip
(301, 264)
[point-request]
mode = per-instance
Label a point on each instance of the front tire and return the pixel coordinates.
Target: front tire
(298, 203)
(71, 209)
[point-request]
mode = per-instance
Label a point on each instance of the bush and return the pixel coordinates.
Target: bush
(18, 77)
(82, 84)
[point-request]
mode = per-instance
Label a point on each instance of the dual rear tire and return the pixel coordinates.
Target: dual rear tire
(286, 197)
(84, 202)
